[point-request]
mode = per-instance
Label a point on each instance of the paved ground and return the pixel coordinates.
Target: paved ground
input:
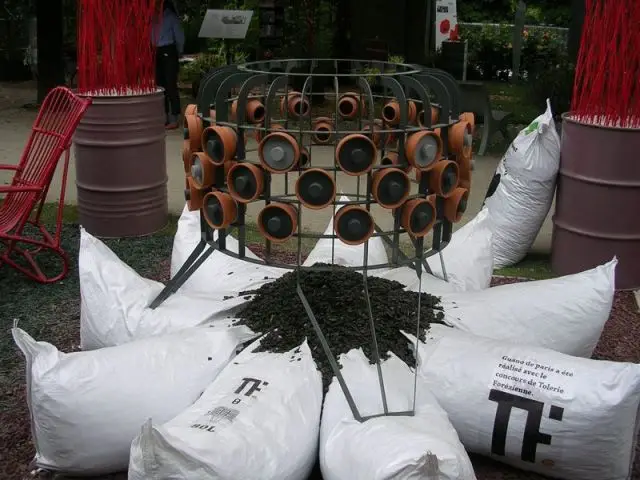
(15, 124)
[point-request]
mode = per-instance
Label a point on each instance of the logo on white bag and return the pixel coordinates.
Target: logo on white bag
(249, 386)
(532, 435)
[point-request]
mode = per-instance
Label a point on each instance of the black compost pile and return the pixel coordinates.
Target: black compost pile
(338, 301)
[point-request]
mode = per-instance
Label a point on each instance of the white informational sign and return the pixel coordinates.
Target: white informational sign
(231, 24)
(446, 22)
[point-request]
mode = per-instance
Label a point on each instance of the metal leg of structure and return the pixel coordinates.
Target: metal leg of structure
(193, 262)
(388, 241)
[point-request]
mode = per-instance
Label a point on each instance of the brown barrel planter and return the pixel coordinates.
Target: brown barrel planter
(597, 200)
(121, 167)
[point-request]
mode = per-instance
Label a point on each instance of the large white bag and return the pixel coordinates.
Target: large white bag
(522, 189)
(400, 447)
(566, 314)
(114, 301)
(533, 408)
(220, 272)
(259, 420)
(347, 255)
(468, 261)
(87, 407)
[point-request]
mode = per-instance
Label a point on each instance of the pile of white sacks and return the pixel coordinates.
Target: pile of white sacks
(164, 393)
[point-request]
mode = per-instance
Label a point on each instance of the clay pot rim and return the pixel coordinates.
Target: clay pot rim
(290, 139)
(194, 139)
(204, 160)
(344, 210)
(348, 138)
(411, 205)
(441, 165)
(222, 198)
(191, 109)
(412, 142)
(379, 175)
(456, 196)
(291, 211)
(396, 107)
(189, 184)
(257, 173)
(315, 207)
(217, 129)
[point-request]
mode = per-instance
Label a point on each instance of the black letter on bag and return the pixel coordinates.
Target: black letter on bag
(532, 435)
(255, 384)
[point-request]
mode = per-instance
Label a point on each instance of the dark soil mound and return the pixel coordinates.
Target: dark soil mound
(337, 299)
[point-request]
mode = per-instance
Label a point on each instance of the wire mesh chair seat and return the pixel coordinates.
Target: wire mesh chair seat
(49, 142)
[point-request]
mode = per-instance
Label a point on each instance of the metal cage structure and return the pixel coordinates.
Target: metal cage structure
(396, 129)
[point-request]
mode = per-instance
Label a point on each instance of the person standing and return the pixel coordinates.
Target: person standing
(169, 41)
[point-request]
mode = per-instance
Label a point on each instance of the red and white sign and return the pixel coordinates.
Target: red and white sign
(446, 21)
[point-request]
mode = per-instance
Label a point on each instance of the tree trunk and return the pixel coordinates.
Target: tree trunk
(50, 46)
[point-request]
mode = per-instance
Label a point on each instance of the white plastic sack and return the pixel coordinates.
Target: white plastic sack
(219, 272)
(533, 408)
(87, 407)
(115, 299)
(566, 314)
(259, 420)
(468, 260)
(424, 446)
(343, 254)
(522, 189)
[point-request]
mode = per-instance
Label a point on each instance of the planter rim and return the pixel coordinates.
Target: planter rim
(158, 91)
(566, 117)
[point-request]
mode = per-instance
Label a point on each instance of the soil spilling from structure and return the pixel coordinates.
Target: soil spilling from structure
(337, 299)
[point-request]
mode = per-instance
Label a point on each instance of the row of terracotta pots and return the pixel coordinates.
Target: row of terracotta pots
(353, 224)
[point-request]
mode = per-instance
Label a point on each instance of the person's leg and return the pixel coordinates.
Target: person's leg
(171, 73)
(161, 79)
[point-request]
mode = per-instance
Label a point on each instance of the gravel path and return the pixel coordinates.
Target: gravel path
(51, 313)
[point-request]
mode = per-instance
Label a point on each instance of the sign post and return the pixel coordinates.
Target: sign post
(227, 25)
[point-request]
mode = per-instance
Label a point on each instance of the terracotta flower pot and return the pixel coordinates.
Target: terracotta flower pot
(456, 204)
(391, 159)
(376, 137)
(391, 112)
(356, 154)
(279, 152)
(297, 106)
(353, 224)
(245, 181)
(186, 156)
(350, 105)
(278, 221)
(464, 170)
(435, 114)
(305, 157)
(219, 209)
(418, 216)
(219, 143)
(443, 178)
(193, 195)
(193, 132)
(191, 109)
(423, 149)
(322, 131)
(315, 188)
(390, 187)
(254, 113)
(461, 138)
(202, 170)
(470, 118)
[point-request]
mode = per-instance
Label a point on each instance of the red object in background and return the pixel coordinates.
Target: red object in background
(606, 90)
(445, 25)
(116, 54)
(454, 35)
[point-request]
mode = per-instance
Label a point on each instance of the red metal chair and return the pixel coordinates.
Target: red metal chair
(23, 200)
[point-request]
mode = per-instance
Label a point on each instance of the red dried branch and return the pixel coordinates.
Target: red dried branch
(116, 54)
(606, 89)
